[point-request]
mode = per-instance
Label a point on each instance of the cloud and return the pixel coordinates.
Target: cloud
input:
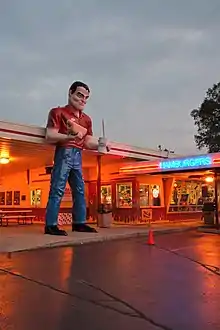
(148, 63)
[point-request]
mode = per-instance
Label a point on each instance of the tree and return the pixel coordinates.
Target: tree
(207, 120)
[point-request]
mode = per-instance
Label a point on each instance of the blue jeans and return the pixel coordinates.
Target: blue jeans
(67, 167)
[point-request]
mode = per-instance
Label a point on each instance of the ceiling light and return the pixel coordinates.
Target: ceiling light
(209, 179)
(4, 160)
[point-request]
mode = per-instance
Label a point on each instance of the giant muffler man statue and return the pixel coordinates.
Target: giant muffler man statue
(70, 129)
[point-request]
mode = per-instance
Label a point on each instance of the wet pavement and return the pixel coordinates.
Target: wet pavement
(125, 284)
(22, 238)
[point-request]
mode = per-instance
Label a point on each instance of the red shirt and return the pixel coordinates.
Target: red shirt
(58, 118)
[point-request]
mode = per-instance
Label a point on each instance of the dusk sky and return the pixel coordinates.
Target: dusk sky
(148, 63)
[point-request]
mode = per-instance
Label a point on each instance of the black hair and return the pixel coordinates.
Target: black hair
(76, 84)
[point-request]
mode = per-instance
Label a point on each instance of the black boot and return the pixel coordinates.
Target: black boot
(54, 230)
(82, 227)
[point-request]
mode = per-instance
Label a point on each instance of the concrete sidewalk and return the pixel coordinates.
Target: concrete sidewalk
(22, 238)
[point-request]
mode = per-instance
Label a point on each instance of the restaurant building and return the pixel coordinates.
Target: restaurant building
(175, 189)
(138, 185)
(26, 162)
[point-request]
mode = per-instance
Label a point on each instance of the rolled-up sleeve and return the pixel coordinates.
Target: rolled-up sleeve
(53, 120)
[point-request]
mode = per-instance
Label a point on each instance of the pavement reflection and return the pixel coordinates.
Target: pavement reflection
(124, 284)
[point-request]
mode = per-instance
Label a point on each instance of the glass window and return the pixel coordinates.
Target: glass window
(36, 197)
(17, 197)
(155, 195)
(149, 195)
(106, 194)
(144, 193)
(124, 195)
(189, 195)
(9, 198)
(2, 198)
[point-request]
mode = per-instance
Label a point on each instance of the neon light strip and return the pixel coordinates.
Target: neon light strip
(145, 166)
(216, 161)
(144, 169)
(139, 171)
(139, 166)
(142, 166)
(194, 162)
(186, 163)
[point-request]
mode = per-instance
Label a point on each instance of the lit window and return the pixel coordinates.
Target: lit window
(144, 194)
(155, 195)
(106, 194)
(189, 195)
(124, 195)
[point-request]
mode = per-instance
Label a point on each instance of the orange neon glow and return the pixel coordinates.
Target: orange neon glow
(216, 161)
(139, 167)
(139, 170)
(136, 167)
(147, 166)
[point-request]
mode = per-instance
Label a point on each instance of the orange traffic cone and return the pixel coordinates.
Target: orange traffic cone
(150, 240)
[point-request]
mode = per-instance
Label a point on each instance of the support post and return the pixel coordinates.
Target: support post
(216, 200)
(99, 181)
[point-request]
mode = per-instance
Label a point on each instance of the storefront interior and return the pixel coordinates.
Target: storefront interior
(185, 193)
(191, 191)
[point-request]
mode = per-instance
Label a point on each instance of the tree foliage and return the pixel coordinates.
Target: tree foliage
(207, 121)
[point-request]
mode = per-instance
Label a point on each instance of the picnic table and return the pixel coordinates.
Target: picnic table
(22, 217)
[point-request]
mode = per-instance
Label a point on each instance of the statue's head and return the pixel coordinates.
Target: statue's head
(78, 95)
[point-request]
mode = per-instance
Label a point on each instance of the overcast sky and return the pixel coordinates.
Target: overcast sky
(148, 63)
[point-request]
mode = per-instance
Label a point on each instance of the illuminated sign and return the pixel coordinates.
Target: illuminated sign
(185, 163)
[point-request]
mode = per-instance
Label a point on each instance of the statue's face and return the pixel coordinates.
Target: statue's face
(79, 98)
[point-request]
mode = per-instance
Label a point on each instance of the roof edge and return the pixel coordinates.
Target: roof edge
(35, 134)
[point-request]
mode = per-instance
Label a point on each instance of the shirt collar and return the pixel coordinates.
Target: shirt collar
(73, 111)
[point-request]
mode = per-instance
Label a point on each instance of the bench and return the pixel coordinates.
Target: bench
(24, 219)
(20, 219)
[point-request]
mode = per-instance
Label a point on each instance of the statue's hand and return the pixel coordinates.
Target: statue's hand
(70, 129)
(79, 135)
(108, 147)
(75, 129)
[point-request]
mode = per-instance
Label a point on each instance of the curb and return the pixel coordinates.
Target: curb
(208, 230)
(102, 239)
